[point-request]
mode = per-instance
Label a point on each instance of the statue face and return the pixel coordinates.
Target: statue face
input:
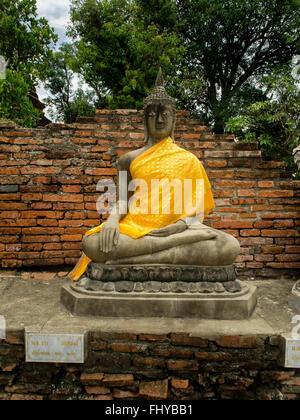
(159, 120)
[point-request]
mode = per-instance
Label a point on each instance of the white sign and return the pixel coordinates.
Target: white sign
(291, 352)
(54, 348)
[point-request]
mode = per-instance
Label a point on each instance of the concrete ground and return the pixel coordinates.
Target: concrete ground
(31, 300)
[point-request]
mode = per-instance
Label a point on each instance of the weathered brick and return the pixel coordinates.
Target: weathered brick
(268, 376)
(239, 224)
(179, 383)
(288, 257)
(237, 341)
(235, 184)
(184, 339)
(154, 389)
(186, 365)
(9, 171)
(261, 258)
(101, 171)
(15, 337)
(216, 163)
(292, 249)
(250, 232)
(71, 238)
(276, 193)
(96, 335)
(129, 347)
(71, 188)
(213, 356)
(191, 136)
(148, 362)
(266, 184)
(279, 233)
(263, 224)
(172, 352)
(26, 397)
(91, 378)
(36, 170)
(284, 223)
(98, 390)
(246, 193)
(40, 238)
(118, 379)
(122, 394)
(64, 198)
(153, 337)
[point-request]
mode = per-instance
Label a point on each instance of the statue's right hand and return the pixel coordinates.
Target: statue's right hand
(109, 236)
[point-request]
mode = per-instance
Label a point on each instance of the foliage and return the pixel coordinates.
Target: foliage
(15, 104)
(66, 104)
(118, 52)
(273, 123)
(80, 104)
(25, 40)
(26, 43)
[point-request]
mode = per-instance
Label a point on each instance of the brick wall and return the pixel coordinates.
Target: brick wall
(48, 179)
(146, 366)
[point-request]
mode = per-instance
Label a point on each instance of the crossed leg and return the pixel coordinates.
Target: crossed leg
(205, 246)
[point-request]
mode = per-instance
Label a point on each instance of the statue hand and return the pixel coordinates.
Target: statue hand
(109, 236)
(177, 227)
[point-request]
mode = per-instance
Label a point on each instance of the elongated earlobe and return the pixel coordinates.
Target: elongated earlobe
(173, 126)
(146, 131)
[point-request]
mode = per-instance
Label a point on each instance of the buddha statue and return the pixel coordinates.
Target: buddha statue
(171, 234)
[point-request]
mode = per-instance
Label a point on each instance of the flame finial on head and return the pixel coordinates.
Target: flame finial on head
(159, 79)
(159, 94)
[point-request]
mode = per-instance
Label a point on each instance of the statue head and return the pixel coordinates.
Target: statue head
(159, 112)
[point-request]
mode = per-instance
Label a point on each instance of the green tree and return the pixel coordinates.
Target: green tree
(65, 103)
(14, 100)
(273, 123)
(228, 46)
(26, 42)
(118, 52)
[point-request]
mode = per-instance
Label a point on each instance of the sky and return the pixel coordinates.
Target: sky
(57, 14)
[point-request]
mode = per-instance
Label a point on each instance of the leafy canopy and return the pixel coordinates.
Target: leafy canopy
(229, 45)
(25, 40)
(117, 52)
(26, 43)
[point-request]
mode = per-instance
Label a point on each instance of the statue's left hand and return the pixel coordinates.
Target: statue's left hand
(177, 227)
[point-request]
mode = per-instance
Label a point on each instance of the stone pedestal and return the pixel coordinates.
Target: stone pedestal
(294, 302)
(160, 291)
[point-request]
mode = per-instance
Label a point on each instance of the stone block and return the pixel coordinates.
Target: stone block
(239, 305)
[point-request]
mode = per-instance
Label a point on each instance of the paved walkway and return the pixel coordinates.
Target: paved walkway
(31, 300)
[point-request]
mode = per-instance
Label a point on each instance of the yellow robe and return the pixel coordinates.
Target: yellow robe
(155, 204)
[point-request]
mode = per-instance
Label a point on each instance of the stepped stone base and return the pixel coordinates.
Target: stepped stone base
(294, 302)
(160, 291)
